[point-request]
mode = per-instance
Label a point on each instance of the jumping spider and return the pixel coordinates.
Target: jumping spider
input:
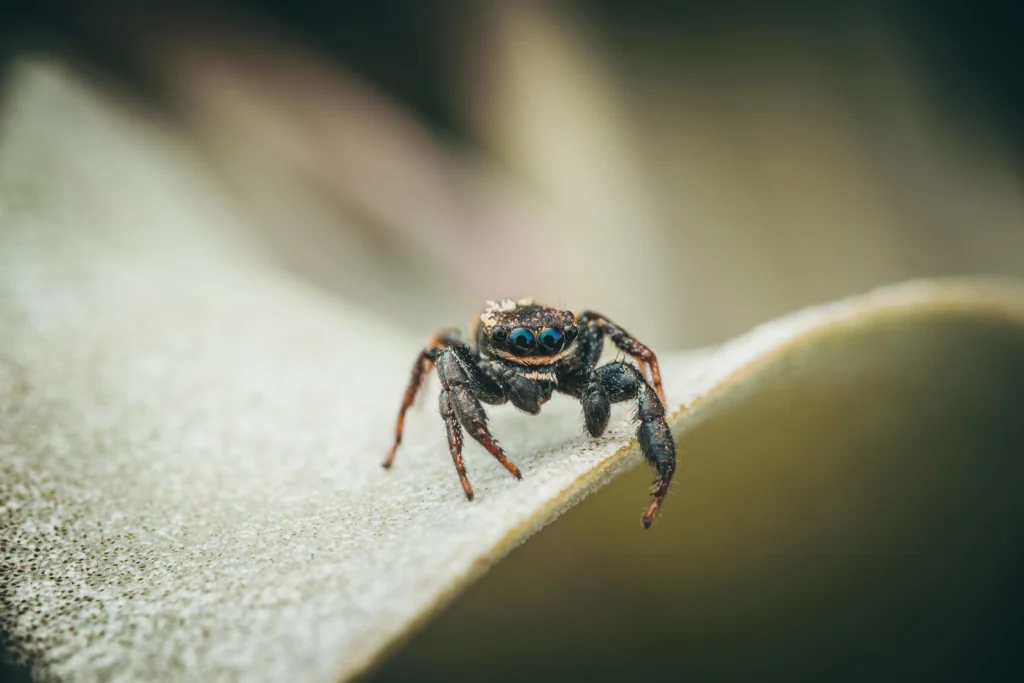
(522, 353)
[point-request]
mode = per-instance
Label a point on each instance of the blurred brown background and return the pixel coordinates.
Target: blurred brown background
(689, 169)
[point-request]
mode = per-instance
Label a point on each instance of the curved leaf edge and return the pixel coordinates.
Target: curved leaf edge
(746, 358)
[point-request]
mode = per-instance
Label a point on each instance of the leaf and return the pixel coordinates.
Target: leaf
(190, 439)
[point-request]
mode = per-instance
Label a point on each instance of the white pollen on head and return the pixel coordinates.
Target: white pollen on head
(503, 305)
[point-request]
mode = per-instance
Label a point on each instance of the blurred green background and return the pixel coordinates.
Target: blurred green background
(691, 170)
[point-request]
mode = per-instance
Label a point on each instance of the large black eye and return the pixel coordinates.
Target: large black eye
(520, 341)
(550, 340)
(570, 333)
(500, 333)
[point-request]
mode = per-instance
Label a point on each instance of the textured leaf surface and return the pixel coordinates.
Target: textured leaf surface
(190, 439)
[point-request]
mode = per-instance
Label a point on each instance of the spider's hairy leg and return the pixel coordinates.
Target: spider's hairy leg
(482, 384)
(617, 382)
(451, 424)
(461, 382)
(424, 362)
(644, 357)
(590, 341)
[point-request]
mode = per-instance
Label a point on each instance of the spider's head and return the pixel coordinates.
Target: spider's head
(524, 333)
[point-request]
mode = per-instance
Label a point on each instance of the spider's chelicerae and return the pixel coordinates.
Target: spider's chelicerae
(521, 352)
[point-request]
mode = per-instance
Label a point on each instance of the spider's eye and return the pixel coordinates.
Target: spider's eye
(570, 333)
(550, 340)
(500, 333)
(520, 341)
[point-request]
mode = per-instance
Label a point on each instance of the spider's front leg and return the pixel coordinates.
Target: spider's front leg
(463, 384)
(591, 323)
(617, 382)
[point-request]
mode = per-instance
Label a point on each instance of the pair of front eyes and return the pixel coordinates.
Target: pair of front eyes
(522, 341)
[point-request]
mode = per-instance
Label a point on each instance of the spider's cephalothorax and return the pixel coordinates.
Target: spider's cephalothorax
(521, 353)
